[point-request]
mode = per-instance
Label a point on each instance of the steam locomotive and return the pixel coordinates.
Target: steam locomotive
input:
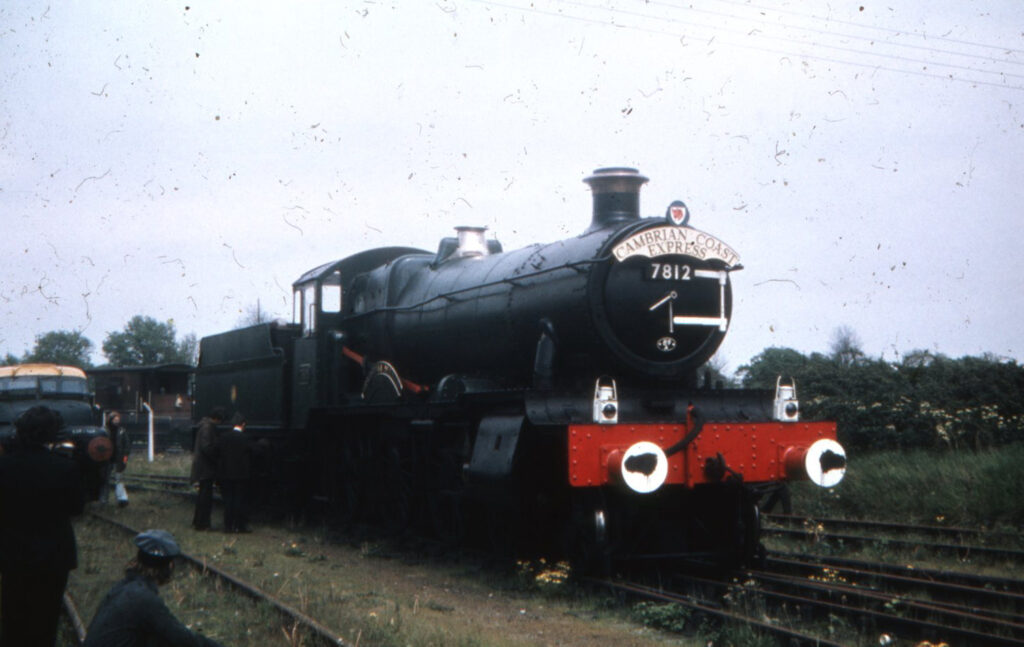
(546, 400)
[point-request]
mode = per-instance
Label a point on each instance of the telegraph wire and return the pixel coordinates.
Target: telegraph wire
(892, 32)
(641, 15)
(781, 52)
(848, 50)
(895, 32)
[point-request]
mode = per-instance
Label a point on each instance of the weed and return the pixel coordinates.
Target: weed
(540, 575)
(734, 635)
(667, 616)
(437, 606)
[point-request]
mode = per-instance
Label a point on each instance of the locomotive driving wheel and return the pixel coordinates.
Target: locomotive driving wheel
(391, 495)
(346, 491)
(588, 545)
(444, 499)
(501, 532)
(343, 460)
(445, 509)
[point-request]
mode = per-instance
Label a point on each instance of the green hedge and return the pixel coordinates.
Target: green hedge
(924, 401)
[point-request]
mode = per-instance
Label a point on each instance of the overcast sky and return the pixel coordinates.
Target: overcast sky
(184, 160)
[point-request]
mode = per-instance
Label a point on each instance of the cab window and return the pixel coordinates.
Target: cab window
(48, 384)
(309, 308)
(330, 293)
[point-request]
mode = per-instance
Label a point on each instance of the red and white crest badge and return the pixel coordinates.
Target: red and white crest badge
(677, 213)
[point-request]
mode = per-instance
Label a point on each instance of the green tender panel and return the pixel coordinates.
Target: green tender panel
(247, 370)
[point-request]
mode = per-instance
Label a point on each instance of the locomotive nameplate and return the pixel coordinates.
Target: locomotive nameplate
(675, 241)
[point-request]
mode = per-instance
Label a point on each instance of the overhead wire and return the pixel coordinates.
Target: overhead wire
(891, 32)
(850, 50)
(715, 30)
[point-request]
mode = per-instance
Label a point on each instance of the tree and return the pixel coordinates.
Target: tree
(253, 315)
(67, 347)
(147, 342)
(769, 364)
(714, 372)
(920, 359)
(188, 349)
(10, 360)
(846, 347)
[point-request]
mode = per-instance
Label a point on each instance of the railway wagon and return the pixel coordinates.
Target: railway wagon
(157, 395)
(545, 400)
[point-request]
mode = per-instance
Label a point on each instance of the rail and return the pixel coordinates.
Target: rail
(317, 630)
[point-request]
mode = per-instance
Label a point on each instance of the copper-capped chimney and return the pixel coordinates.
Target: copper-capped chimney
(616, 196)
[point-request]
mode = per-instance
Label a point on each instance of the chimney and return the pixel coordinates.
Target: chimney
(616, 196)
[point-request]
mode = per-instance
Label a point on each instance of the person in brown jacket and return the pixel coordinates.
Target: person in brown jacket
(204, 466)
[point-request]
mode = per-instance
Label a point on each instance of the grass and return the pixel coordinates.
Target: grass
(367, 592)
(355, 590)
(176, 464)
(196, 600)
(983, 489)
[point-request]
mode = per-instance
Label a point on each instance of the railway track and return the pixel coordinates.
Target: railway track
(946, 532)
(158, 482)
(710, 608)
(794, 592)
(935, 582)
(70, 612)
(316, 631)
(960, 542)
(792, 596)
(929, 604)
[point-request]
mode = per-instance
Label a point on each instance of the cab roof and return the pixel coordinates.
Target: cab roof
(23, 370)
(361, 262)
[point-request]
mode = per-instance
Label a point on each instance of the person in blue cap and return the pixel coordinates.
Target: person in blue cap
(132, 613)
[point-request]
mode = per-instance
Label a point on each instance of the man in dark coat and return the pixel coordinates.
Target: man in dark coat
(204, 466)
(132, 613)
(40, 491)
(234, 474)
